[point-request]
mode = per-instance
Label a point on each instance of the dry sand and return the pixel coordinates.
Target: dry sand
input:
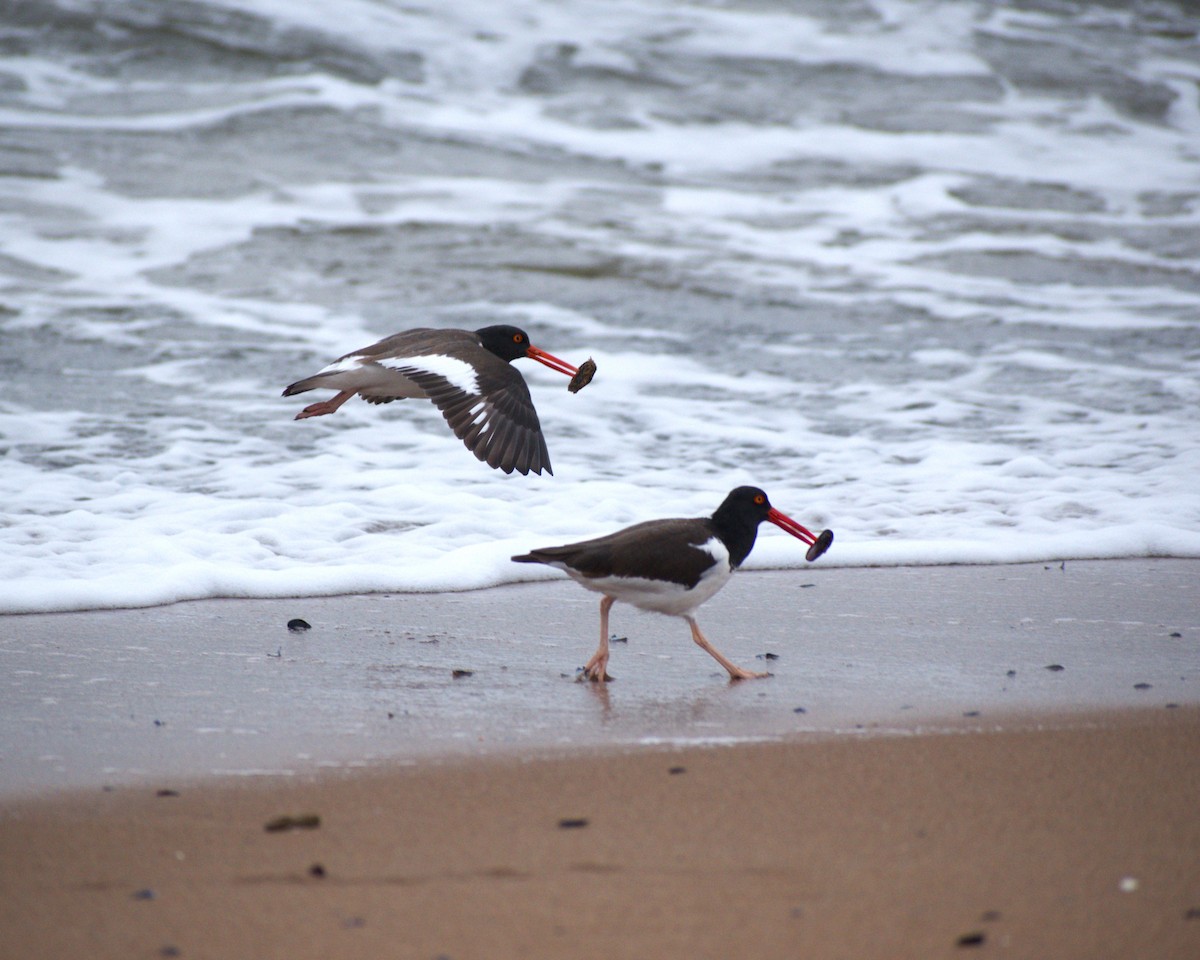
(1075, 838)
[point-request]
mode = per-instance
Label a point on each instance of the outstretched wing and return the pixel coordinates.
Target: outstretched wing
(486, 402)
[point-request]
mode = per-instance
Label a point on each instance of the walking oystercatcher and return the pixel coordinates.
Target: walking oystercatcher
(468, 376)
(672, 566)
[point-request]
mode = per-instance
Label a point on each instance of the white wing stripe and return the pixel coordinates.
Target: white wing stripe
(458, 373)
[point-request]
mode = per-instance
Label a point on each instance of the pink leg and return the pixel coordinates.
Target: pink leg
(735, 672)
(596, 669)
(325, 406)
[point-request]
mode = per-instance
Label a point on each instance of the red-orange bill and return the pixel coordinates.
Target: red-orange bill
(797, 530)
(550, 360)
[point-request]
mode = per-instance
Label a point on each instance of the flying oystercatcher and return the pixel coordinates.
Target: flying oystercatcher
(468, 376)
(672, 566)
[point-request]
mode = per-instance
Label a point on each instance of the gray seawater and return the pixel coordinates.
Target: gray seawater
(929, 272)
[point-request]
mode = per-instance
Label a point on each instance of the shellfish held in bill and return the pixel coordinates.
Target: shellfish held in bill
(583, 376)
(820, 545)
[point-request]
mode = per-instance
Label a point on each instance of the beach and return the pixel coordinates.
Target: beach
(926, 273)
(1026, 785)
(1049, 838)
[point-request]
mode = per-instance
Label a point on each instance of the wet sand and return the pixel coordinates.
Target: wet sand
(223, 688)
(1068, 838)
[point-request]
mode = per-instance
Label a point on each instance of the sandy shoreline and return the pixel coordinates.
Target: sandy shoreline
(1056, 839)
(913, 781)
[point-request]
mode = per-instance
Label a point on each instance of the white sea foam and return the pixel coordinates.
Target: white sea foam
(966, 342)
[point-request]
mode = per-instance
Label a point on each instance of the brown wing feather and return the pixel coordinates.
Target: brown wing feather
(504, 430)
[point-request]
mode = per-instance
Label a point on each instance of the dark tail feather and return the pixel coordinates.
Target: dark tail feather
(301, 386)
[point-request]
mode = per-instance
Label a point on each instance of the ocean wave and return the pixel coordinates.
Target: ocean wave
(927, 273)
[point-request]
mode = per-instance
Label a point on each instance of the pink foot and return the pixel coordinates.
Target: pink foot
(317, 409)
(746, 675)
(596, 671)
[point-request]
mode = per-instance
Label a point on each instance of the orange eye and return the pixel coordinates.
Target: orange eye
(760, 499)
(517, 338)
